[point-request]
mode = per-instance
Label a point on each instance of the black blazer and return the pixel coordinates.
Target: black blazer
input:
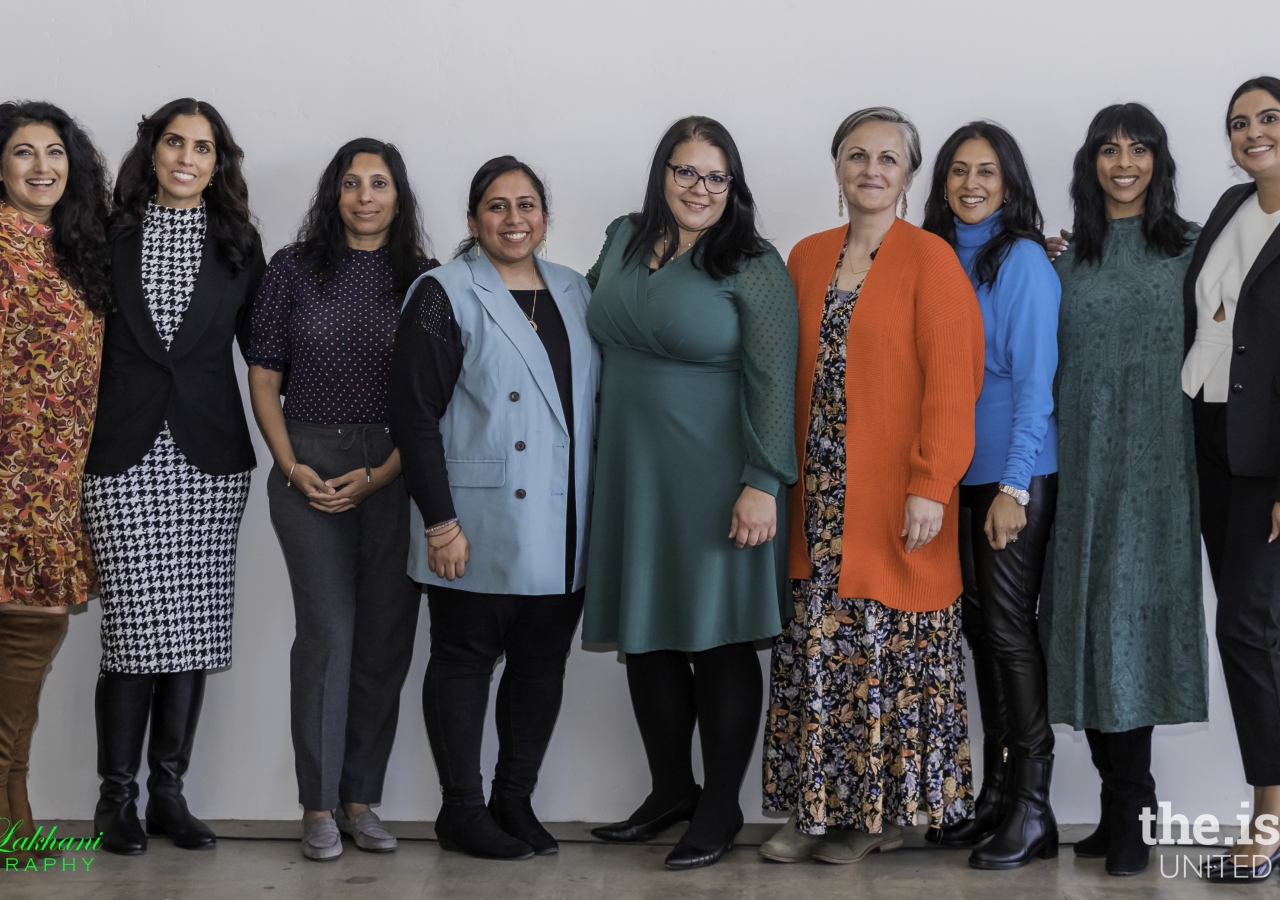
(192, 385)
(1253, 406)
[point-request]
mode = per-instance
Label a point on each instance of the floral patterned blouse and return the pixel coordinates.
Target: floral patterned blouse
(49, 364)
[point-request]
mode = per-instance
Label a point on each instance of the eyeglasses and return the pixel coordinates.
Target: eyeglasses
(687, 177)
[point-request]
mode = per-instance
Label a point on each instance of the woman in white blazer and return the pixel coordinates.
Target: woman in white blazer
(493, 408)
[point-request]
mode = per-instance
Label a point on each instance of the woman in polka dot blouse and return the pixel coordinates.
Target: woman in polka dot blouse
(323, 328)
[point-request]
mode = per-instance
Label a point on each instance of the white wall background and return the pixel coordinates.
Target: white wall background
(582, 89)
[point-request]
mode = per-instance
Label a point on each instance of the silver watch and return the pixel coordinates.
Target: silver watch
(1023, 497)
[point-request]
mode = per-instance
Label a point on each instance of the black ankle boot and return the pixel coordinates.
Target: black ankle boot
(514, 815)
(175, 711)
(991, 807)
(1030, 830)
(1095, 845)
(472, 830)
(122, 705)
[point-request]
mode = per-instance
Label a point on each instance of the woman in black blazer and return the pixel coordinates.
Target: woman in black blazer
(168, 471)
(1232, 372)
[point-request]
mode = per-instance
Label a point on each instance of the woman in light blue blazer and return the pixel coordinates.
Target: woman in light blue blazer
(493, 408)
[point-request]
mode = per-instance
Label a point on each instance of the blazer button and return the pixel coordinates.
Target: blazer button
(519, 493)
(519, 445)
(1237, 388)
(515, 395)
(1240, 351)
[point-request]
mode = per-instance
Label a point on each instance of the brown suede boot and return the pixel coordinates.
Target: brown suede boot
(27, 642)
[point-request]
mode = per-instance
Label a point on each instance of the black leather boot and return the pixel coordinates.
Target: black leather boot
(991, 807)
(514, 815)
(175, 711)
(1095, 845)
(1030, 830)
(1133, 789)
(472, 830)
(121, 706)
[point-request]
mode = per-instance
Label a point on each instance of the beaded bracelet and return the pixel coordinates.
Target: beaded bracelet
(441, 526)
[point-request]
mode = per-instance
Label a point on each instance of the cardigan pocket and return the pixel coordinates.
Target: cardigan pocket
(476, 472)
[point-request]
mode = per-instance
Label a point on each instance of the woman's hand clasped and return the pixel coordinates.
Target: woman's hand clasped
(1005, 519)
(448, 553)
(341, 494)
(755, 518)
(921, 521)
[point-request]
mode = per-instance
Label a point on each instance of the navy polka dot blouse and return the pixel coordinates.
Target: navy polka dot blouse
(332, 336)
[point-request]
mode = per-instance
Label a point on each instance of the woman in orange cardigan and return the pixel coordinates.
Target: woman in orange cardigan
(867, 716)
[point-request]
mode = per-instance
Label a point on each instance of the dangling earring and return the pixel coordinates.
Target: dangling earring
(840, 201)
(904, 204)
(542, 248)
(211, 177)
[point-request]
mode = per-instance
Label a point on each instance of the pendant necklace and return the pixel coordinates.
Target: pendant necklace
(533, 309)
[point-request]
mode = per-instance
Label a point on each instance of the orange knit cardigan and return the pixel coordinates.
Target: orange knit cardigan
(915, 360)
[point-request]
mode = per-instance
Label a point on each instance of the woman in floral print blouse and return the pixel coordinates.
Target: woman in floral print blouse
(53, 294)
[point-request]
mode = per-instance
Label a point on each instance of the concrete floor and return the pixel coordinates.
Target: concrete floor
(263, 861)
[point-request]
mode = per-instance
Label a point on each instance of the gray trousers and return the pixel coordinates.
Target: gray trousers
(356, 612)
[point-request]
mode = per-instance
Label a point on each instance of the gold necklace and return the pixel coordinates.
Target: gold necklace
(533, 309)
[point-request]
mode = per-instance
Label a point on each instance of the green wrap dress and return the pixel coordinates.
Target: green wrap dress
(697, 394)
(1122, 614)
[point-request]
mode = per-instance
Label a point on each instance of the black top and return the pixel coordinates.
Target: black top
(429, 347)
(192, 384)
(1253, 406)
(331, 332)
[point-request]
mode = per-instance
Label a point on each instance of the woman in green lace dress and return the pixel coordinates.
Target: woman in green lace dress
(696, 319)
(1122, 616)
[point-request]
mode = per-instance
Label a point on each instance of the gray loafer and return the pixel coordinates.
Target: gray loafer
(367, 831)
(790, 844)
(321, 840)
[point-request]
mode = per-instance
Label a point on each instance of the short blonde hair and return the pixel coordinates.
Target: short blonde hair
(910, 137)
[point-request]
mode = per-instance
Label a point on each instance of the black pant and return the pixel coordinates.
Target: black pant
(470, 632)
(356, 614)
(1235, 518)
(1001, 594)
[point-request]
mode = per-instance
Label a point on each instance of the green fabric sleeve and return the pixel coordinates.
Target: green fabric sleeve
(593, 274)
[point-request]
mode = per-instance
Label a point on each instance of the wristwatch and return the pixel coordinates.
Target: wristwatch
(1023, 497)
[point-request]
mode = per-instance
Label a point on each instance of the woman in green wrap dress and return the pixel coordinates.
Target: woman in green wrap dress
(697, 321)
(1122, 616)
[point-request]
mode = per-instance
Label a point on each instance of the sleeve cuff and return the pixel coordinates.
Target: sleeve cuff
(761, 480)
(1016, 480)
(275, 365)
(931, 488)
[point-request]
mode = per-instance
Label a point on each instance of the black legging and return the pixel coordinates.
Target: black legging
(723, 692)
(469, 633)
(998, 618)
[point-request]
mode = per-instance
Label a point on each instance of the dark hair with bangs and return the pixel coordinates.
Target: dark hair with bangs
(323, 236)
(732, 239)
(1020, 214)
(1165, 231)
(1268, 83)
(226, 199)
(79, 220)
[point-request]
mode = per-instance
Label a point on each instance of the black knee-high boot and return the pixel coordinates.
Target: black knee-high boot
(122, 706)
(1133, 788)
(730, 697)
(663, 697)
(1095, 845)
(175, 712)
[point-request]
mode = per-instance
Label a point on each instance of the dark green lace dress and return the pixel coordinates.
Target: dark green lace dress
(1122, 617)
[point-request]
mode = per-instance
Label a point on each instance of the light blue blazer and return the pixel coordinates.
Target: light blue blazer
(511, 503)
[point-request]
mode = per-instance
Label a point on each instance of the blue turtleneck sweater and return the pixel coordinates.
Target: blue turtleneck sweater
(1016, 433)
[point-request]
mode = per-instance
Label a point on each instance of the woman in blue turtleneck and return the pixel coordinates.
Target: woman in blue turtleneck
(983, 204)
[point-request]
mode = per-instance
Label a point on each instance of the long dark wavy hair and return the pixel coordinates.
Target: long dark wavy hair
(226, 200)
(485, 176)
(1164, 230)
(79, 242)
(728, 242)
(323, 237)
(1020, 214)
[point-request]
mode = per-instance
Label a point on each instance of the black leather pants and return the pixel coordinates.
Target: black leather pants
(1001, 594)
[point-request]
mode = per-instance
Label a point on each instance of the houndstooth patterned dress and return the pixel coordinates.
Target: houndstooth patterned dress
(164, 533)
